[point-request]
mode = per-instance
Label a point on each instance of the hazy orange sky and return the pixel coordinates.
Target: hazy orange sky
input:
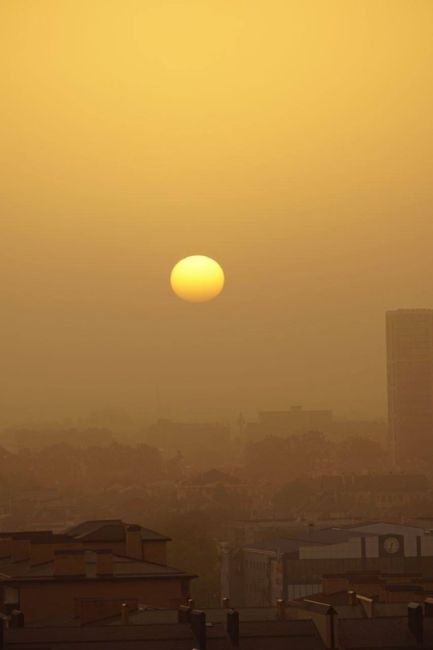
(290, 140)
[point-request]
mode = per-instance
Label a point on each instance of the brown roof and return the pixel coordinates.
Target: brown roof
(382, 634)
(335, 598)
(269, 635)
(123, 567)
(37, 536)
(110, 530)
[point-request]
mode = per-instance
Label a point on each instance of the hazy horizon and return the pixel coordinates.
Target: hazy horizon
(289, 141)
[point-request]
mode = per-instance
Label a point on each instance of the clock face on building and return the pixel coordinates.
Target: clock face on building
(391, 545)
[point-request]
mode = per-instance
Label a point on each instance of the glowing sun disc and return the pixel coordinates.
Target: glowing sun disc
(197, 278)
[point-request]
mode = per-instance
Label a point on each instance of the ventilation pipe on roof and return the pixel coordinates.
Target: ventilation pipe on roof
(17, 619)
(281, 609)
(351, 596)
(198, 627)
(233, 627)
(415, 620)
(184, 614)
(428, 608)
(124, 614)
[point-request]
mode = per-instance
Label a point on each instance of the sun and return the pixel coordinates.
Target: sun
(197, 278)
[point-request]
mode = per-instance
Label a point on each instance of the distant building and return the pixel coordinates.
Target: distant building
(257, 574)
(372, 429)
(372, 592)
(363, 495)
(409, 338)
(47, 575)
(292, 422)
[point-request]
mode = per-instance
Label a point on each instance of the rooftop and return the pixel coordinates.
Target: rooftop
(382, 633)
(109, 530)
(37, 536)
(123, 567)
(324, 536)
(272, 635)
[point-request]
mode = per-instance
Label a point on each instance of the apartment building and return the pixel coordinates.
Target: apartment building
(49, 575)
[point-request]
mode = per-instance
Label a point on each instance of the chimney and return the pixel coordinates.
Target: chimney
(351, 596)
(17, 619)
(8, 608)
(124, 614)
(428, 608)
(331, 628)
(198, 626)
(20, 550)
(134, 545)
(233, 627)
(69, 563)
(184, 614)
(415, 620)
(104, 562)
(226, 603)
(281, 609)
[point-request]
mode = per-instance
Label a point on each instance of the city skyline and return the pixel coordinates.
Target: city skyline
(216, 349)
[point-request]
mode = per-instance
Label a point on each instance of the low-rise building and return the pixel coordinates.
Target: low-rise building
(44, 574)
(292, 567)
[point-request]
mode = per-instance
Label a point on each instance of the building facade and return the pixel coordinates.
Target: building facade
(409, 339)
(50, 575)
(286, 568)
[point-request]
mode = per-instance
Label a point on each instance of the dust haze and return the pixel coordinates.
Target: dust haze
(291, 145)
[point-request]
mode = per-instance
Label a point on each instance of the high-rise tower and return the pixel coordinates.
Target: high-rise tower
(409, 338)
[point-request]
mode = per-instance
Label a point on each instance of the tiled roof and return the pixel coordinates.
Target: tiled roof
(90, 525)
(109, 530)
(123, 567)
(36, 536)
